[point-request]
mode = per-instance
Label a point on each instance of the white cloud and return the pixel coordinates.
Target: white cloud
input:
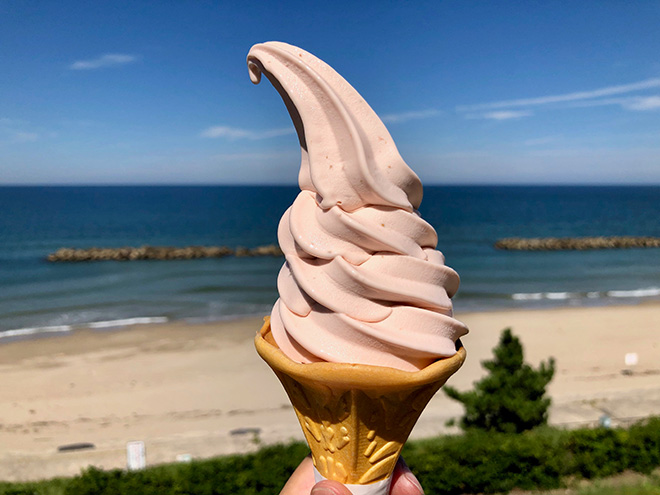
(107, 60)
(13, 131)
(637, 103)
(501, 115)
(645, 103)
(11, 137)
(413, 115)
(575, 96)
(233, 133)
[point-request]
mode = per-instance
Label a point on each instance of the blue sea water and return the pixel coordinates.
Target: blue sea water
(39, 297)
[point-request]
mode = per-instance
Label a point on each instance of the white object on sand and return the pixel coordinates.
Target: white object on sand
(136, 457)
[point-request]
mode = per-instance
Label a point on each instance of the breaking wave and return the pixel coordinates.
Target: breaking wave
(124, 322)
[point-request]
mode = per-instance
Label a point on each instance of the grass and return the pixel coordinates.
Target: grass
(627, 483)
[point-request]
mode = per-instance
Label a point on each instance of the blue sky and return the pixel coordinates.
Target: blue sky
(472, 92)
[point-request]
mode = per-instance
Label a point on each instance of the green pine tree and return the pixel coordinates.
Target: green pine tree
(511, 398)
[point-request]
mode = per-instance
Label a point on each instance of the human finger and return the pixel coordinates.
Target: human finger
(404, 482)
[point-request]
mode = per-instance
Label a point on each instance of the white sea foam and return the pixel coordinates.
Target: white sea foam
(535, 296)
(20, 332)
(562, 296)
(559, 295)
(144, 320)
(647, 292)
(23, 332)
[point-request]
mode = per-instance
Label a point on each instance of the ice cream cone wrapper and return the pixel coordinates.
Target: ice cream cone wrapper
(355, 417)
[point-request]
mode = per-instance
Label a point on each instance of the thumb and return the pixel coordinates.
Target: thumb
(328, 487)
(404, 481)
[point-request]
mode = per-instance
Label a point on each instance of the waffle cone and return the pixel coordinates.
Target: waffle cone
(355, 417)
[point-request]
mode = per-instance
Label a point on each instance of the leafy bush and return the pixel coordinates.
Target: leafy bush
(487, 462)
(511, 398)
(50, 487)
(264, 472)
(597, 453)
(643, 446)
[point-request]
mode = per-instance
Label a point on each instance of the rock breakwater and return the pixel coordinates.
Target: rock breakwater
(157, 253)
(576, 243)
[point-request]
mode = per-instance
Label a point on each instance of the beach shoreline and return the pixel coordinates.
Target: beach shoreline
(200, 389)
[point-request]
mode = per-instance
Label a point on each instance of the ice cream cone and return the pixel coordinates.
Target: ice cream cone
(355, 417)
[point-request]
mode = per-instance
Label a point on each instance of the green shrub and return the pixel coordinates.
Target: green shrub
(644, 446)
(481, 462)
(50, 487)
(264, 472)
(511, 398)
(597, 453)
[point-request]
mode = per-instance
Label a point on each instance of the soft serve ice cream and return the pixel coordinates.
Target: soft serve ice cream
(362, 282)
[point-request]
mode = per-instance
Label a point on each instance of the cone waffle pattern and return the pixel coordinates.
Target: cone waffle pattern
(355, 418)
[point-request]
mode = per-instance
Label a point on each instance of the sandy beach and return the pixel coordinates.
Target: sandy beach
(202, 390)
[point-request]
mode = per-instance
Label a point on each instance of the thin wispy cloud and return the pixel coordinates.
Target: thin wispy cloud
(413, 115)
(14, 131)
(11, 137)
(567, 97)
(638, 103)
(501, 115)
(234, 133)
(643, 104)
(103, 61)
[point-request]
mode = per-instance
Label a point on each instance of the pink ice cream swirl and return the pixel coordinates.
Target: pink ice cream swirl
(362, 282)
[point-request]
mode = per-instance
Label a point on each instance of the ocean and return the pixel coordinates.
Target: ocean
(38, 297)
